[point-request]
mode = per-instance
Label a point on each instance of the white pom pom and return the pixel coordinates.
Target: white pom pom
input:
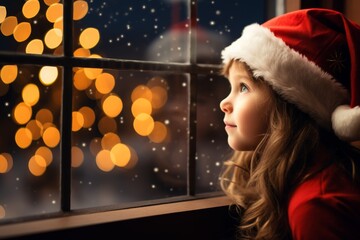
(346, 122)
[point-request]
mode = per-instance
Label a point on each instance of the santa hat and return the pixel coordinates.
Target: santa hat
(310, 57)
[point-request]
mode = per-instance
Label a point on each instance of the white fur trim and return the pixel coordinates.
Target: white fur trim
(291, 74)
(346, 122)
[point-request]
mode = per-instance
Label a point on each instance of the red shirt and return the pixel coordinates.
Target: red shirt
(326, 206)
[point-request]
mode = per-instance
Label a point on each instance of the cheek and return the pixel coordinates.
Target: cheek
(252, 121)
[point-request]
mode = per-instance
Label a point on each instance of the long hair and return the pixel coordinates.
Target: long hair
(260, 181)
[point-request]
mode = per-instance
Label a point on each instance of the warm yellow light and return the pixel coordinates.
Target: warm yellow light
(46, 154)
(82, 52)
(89, 38)
(8, 25)
(143, 124)
(159, 97)
(31, 94)
(22, 113)
(6, 162)
(141, 105)
(105, 83)
(51, 137)
(103, 161)
(112, 106)
(81, 81)
(23, 137)
(77, 157)
(89, 116)
(22, 31)
(35, 128)
(81, 8)
(35, 46)
(48, 75)
(93, 73)
(44, 116)
(50, 2)
(2, 13)
(9, 73)
(109, 140)
(31, 8)
(53, 38)
(120, 155)
(141, 91)
(77, 121)
(159, 133)
(54, 12)
(37, 165)
(59, 23)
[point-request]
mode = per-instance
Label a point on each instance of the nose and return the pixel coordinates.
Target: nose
(225, 105)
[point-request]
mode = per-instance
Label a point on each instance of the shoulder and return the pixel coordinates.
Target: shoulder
(327, 206)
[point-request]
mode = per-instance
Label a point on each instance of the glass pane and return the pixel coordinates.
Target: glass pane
(212, 147)
(130, 136)
(221, 22)
(30, 138)
(32, 26)
(136, 30)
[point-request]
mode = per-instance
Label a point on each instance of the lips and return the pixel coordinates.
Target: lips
(228, 124)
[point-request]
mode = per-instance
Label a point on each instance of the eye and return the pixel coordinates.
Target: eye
(243, 87)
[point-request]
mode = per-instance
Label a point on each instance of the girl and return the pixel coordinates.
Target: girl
(292, 117)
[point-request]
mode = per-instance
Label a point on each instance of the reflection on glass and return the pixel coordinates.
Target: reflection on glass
(130, 136)
(221, 22)
(137, 30)
(211, 140)
(30, 137)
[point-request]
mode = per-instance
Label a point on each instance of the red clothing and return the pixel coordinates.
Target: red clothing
(326, 206)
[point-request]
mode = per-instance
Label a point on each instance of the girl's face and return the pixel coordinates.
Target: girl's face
(246, 109)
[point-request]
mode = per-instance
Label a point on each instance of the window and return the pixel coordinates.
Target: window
(112, 104)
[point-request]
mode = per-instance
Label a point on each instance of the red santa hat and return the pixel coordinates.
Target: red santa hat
(310, 57)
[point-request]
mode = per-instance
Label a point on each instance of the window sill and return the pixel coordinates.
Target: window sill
(86, 221)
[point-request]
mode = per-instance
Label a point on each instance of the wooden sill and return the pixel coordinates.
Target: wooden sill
(89, 219)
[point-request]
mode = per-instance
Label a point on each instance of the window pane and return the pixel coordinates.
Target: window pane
(32, 26)
(30, 136)
(221, 22)
(130, 136)
(212, 147)
(136, 30)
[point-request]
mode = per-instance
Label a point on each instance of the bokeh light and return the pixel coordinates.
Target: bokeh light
(8, 25)
(23, 137)
(143, 124)
(89, 38)
(35, 46)
(31, 8)
(103, 161)
(80, 9)
(48, 75)
(31, 94)
(37, 165)
(141, 105)
(53, 38)
(22, 113)
(22, 31)
(77, 157)
(9, 73)
(120, 155)
(3, 13)
(112, 105)
(51, 137)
